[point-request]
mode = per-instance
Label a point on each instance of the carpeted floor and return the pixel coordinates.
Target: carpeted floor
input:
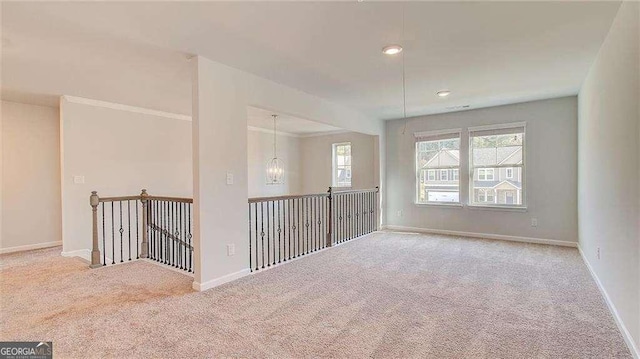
(386, 295)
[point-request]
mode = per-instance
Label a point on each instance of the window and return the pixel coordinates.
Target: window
(485, 174)
(437, 167)
(342, 164)
(494, 151)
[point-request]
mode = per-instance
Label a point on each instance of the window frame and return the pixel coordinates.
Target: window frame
(506, 173)
(334, 165)
(417, 171)
(471, 169)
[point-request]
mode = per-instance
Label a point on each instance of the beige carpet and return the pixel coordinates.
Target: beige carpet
(385, 295)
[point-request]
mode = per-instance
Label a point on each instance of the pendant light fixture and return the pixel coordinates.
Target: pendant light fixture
(275, 167)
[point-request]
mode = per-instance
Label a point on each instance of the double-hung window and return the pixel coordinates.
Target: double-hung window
(496, 165)
(437, 167)
(342, 164)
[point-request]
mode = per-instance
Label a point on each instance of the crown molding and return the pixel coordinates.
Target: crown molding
(279, 133)
(128, 108)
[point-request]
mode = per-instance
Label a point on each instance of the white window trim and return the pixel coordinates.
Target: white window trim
(334, 165)
(493, 174)
(522, 173)
(456, 131)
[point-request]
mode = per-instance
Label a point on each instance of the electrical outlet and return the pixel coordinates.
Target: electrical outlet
(231, 249)
(598, 253)
(78, 179)
(534, 222)
(229, 178)
(399, 213)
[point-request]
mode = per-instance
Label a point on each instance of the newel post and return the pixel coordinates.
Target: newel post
(330, 221)
(144, 246)
(94, 201)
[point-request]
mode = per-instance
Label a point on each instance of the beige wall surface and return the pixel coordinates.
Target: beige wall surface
(317, 152)
(118, 153)
(260, 152)
(551, 173)
(609, 167)
(31, 214)
(221, 95)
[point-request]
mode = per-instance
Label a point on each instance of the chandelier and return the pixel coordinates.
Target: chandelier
(275, 167)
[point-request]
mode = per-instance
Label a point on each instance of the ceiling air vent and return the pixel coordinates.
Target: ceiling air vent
(460, 107)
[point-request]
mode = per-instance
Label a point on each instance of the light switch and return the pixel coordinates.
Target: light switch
(231, 249)
(78, 179)
(229, 178)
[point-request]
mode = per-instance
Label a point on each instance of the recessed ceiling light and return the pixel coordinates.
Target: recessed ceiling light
(392, 49)
(443, 93)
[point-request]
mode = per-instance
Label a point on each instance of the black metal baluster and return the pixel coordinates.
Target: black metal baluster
(104, 248)
(262, 226)
(287, 232)
(255, 207)
(156, 234)
(250, 261)
(129, 223)
(113, 237)
(189, 236)
(312, 240)
(268, 238)
(174, 262)
(309, 225)
(274, 228)
(279, 233)
(151, 210)
(121, 230)
(137, 231)
(179, 206)
(165, 239)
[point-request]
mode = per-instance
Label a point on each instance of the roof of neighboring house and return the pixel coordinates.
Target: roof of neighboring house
(444, 158)
(494, 184)
(497, 155)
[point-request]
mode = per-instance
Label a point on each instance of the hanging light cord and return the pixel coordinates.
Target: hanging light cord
(404, 88)
(274, 136)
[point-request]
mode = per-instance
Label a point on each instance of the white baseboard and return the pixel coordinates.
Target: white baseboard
(612, 308)
(29, 247)
(220, 281)
(82, 253)
(483, 235)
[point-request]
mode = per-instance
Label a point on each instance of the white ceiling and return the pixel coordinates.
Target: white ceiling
(259, 118)
(487, 53)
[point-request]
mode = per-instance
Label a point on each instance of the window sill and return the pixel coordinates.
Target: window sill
(442, 205)
(499, 208)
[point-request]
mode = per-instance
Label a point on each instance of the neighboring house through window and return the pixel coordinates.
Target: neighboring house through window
(496, 164)
(341, 164)
(437, 166)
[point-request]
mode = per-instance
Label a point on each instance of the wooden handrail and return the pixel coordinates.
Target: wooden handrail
(139, 197)
(171, 199)
(295, 196)
(355, 190)
(280, 198)
(121, 198)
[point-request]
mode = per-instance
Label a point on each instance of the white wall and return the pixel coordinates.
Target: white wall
(31, 215)
(221, 95)
(260, 152)
(118, 152)
(609, 168)
(317, 161)
(551, 173)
